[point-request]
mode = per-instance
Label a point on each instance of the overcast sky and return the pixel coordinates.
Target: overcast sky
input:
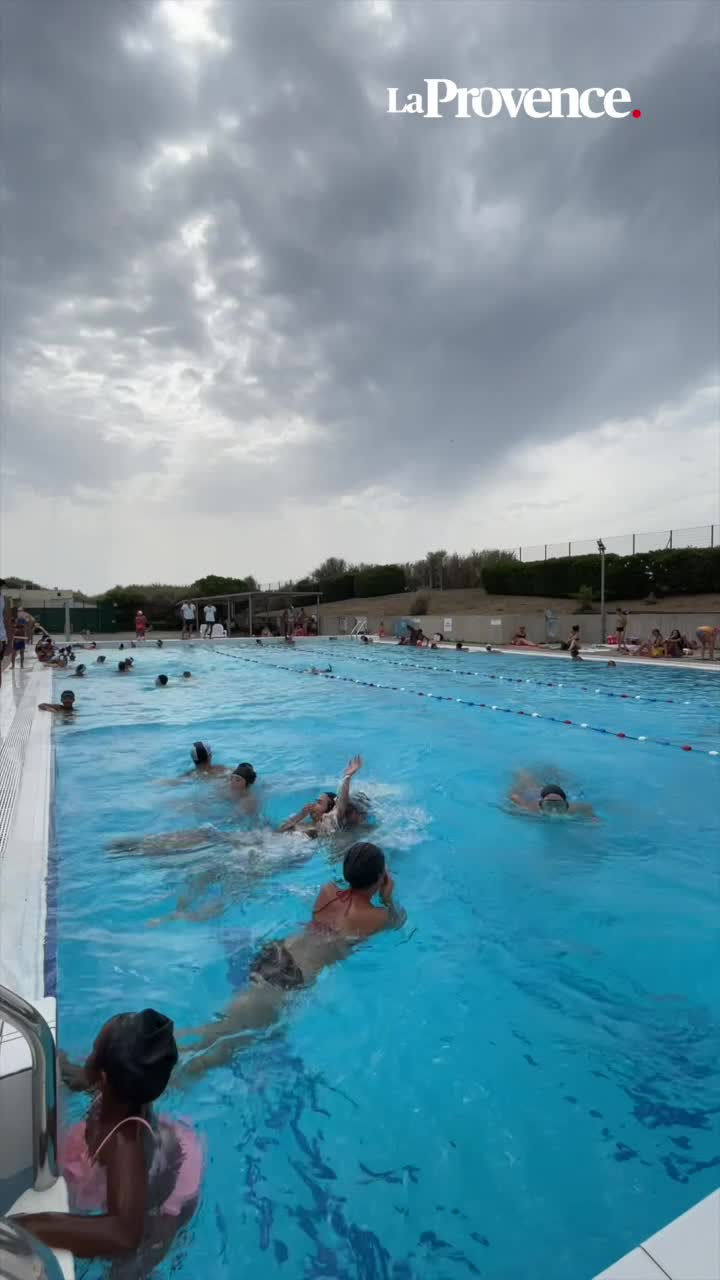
(249, 320)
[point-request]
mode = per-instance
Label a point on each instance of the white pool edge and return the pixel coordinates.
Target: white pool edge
(25, 806)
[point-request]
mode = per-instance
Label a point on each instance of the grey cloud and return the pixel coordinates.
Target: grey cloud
(430, 294)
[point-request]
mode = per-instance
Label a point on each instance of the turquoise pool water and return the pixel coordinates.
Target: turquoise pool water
(524, 1081)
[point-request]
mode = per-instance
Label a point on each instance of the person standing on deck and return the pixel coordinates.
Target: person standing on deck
(4, 624)
(210, 612)
(187, 612)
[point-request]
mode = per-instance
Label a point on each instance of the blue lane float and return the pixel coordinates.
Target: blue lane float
(465, 702)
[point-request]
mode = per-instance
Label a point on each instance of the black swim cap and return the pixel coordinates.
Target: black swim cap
(122, 666)
(162, 679)
(67, 693)
(137, 1052)
(200, 753)
(364, 865)
(187, 675)
(247, 772)
(553, 790)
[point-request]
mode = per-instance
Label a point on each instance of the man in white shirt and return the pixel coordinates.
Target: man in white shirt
(209, 612)
(188, 619)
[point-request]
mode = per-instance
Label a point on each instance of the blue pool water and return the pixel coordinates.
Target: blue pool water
(524, 1081)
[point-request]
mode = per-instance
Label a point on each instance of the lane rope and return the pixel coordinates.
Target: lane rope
(464, 702)
(549, 684)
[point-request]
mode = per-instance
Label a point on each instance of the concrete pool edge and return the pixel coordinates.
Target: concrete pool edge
(26, 774)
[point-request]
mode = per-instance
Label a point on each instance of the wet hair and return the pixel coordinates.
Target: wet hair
(162, 680)
(360, 804)
(67, 693)
(159, 644)
(122, 666)
(364, 865)
(245, 771)
(552, 789)
(332, 797)
(100, 658)
(80, 670)
(137, 1052)
(200, 752)
(187, 675)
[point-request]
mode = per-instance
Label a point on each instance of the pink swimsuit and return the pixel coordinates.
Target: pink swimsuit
(87, 1180)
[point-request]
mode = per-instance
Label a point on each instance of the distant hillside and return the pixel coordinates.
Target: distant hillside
(475, 600)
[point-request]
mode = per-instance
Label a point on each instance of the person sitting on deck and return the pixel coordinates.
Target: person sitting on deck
(520, 638)
(654, 646)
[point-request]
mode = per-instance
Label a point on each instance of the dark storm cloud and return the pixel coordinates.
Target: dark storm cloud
(427, 294)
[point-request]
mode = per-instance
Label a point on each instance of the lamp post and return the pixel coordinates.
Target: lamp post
(601, 549)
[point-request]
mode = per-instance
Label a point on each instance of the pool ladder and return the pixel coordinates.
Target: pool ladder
(35, 1030)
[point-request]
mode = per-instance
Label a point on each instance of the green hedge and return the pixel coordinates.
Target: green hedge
(380, 580)
(689, 571)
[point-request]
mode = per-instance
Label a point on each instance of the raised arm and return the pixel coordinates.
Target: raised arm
(353, 766)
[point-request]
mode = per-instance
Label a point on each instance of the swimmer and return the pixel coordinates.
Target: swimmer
(611, 663)
(202, 758)
(158, 644)
(531, 796)
(161, 682)
(80, 670)
(124, 668)
(133, 1177)
(100, 660)
(66, 703)
(242, 780)
(187, 675)
(341, 918)
(331, 811)
(318, 671)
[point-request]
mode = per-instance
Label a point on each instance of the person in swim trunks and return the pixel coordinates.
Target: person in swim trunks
(341, 918)
(332, 811)
(133, 1177)
(549, 801)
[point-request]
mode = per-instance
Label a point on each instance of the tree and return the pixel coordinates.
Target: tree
(435, 561)
(330, 568)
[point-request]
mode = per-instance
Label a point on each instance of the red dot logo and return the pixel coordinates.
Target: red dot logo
(636, 114)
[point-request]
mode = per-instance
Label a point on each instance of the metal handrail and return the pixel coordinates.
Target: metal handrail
(22, 1257)
(35, 1030)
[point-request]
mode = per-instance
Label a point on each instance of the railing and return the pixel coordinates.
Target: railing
(24, 1258)
(35, 1030)
(625, 544)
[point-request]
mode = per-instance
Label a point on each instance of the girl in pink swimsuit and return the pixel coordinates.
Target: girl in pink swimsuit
(141, 1171)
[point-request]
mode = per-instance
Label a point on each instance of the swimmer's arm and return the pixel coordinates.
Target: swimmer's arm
(296, 819)
(74, 1075)
(120, 1230)
(341, 803)
(395, 915)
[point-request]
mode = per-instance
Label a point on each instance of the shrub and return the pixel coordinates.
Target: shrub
(689, 570)
(380, 580)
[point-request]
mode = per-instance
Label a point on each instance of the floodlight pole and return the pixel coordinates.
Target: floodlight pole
(601, 549)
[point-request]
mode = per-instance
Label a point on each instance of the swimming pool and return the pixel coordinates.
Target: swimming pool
(524, 1081)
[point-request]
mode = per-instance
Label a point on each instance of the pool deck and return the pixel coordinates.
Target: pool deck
(686, 1249)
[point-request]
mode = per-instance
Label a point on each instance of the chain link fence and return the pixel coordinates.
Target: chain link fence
(627, 544)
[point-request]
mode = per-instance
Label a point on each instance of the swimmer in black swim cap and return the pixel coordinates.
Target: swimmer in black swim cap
(161, 682)
(550, 800)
